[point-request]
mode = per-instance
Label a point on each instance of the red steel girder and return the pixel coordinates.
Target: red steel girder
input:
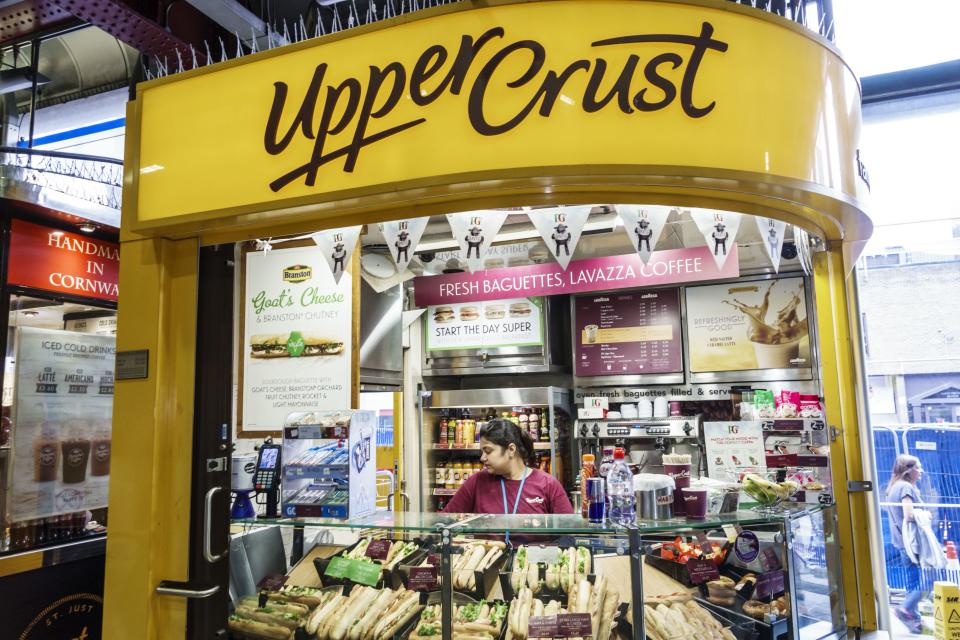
(20, 20)
(129, 26)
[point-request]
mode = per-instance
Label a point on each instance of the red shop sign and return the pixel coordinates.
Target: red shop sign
(43, 258)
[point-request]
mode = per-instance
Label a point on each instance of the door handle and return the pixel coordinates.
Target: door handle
(207, 529)
(184, 590)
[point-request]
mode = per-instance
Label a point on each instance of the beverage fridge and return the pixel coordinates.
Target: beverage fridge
(450, 426)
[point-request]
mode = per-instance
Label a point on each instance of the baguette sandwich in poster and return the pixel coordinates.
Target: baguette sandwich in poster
(297, 337)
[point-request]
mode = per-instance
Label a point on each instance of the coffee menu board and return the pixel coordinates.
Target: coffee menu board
(748, 326)
(485, 325)
(628, 333)
(62, 422)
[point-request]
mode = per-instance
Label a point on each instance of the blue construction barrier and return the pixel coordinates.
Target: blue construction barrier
(886, 448)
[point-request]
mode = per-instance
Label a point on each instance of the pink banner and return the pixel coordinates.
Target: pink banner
(597, 274)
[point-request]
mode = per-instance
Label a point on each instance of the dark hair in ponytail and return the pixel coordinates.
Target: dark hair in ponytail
(503, 432)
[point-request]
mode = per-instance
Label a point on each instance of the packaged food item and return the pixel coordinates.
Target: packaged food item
(587, 470)
(810, 406)
(764, 408)
(788, 404)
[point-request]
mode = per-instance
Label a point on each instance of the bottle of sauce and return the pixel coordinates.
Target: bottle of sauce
(535, 421)
(440, 477)
(458, 437)
(451, 430)
(443, 428)
(587, 470)
(469, 431)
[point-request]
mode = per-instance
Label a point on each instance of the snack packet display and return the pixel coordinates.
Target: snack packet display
(788, 404)
(810, 407)
(763, 404)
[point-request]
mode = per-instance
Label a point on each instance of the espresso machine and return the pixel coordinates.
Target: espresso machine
(644, 439)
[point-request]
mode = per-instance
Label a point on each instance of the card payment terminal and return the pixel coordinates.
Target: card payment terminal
(266, 479)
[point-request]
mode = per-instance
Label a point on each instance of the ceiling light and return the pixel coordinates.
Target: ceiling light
(30, 314)
(87, 227)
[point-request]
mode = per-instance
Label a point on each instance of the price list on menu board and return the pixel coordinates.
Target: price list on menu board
(629, 333)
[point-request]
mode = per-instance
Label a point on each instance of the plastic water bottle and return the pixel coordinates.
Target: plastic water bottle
(620, 491)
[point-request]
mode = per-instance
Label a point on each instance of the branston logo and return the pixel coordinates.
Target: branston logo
(297, 273)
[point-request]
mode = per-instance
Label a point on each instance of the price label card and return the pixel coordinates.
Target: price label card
(769, 585)
(378, 549)
(363, 572)
(574, 625)
(543, 555)
(433, 559)
(732, 531)
(336, 568)
(272, 582)
(701, 571)
(769, 560)
(423, 579)
(543, 627)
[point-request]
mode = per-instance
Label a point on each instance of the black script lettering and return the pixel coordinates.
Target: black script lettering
(457, 75)
(475, 104)
(303, 119)
(701, 44)
(377, 78)
(651, 74)
(620, 88)
(427, 64)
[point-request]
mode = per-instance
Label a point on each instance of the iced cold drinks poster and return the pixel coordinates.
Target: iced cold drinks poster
(297, 333)
(62, 422)
(748, 326)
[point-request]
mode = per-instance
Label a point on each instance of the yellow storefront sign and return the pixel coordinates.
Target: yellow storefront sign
(946, 611)
(545, 89)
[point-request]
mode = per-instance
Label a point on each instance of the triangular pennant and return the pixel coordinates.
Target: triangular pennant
(560, 228)
(771, 234)
(719, 229)
(402, 238)
(337, 246)
(643, 224)
(474, 232)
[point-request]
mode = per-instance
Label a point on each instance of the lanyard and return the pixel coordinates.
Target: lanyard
(516, 503)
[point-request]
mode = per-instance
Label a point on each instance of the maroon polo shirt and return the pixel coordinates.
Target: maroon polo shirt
(481, 493)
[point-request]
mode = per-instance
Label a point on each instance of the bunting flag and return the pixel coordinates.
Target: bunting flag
(474, 232)
(337, 246)
(402, 238)
(560, 228)
(772, 233)
(719, 229)
(643, 224)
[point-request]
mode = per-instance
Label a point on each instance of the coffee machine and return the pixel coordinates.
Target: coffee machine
(645, 439)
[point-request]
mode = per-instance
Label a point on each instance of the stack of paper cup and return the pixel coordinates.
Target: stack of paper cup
(644, 409)
(677, 466)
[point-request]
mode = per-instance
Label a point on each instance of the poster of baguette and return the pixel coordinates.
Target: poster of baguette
(296, 337)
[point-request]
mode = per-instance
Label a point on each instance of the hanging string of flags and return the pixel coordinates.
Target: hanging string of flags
(643, 224)
(402, 238)
(474, 232)
(337, 247)
(719, 229)
(771, 234)
(560, 228)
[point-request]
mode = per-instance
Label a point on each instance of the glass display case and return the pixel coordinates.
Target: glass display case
(450, 424)
(744, 575)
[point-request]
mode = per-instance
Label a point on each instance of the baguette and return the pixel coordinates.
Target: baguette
(367, 618)
(491, 556)
(269, 615)
(352, 613)
(533, 576)
(320, 613)
(249, 627)
(406, 606)
(286, 607)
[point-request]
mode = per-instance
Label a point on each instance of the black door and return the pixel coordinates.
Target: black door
(212, 444)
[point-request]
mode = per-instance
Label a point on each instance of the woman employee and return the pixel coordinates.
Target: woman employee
(510, 484)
